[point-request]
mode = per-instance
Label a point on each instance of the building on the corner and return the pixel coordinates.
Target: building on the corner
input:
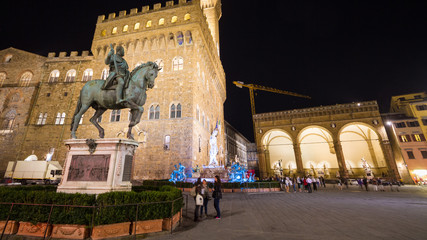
(38, 95)
(406, 126)
(326, 140)
(412, 105)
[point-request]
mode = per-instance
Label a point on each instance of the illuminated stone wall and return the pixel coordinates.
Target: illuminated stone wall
(199, 86)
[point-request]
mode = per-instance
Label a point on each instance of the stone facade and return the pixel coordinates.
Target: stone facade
(180, 38)
(236, 146)
(327, 139)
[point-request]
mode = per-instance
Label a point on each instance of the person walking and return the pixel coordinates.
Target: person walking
(339, 184)
(360, 182)
(217, 195)
(323, 182)
(205, 194)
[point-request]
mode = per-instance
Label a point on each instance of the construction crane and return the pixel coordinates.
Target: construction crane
(253, 87)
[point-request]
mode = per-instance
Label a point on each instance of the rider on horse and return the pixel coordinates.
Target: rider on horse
(118, 71)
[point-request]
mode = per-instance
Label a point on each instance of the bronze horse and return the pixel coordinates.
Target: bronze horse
(91, 95)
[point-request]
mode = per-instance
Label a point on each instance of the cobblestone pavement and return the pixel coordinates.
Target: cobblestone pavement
(326, 214)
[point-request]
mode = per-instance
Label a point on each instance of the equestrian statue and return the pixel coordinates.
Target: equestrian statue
(122, 89)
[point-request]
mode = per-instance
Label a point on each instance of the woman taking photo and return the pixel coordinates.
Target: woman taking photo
(217, 195)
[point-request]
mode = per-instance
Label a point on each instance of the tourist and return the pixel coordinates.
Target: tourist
(309, 182)
(313, 180)
(380, 184)
(375, 184)
(323, 181)
(360, 182)
(217, 195)
(304, 181)
(339, 184)
(318, 183)
(294, 183)
(299, 182)
(197, 189)
(287, 183)
(345, 182)
(205, 194)
(365, 182)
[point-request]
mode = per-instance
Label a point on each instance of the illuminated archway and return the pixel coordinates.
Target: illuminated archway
(359, 141)
(280, 150)
(317, 150)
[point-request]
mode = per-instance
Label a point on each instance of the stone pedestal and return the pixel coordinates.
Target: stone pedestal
(98, 166)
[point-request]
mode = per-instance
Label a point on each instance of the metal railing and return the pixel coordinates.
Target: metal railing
(97, 212)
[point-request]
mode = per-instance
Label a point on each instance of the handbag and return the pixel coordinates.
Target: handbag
(199, 200)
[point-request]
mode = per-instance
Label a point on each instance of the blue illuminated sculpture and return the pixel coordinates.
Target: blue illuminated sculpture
(178, 175)
(238, 174)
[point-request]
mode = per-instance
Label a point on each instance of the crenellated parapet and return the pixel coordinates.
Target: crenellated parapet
(144, 9)
(69, 56)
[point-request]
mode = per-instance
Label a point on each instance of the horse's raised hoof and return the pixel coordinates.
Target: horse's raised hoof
(101, 135)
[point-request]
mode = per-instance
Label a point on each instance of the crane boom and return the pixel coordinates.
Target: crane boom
(253, 87)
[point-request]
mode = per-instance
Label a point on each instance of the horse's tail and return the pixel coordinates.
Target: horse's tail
(78, 107)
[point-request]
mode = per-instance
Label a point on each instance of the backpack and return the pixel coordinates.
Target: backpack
(193, 191)
(199, 200)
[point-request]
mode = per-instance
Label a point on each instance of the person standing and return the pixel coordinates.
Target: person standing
(205, 194)
(299, 184)
(309, 182)
(197, 190)
(294, 183)
(287, 183)
(217, 195)
(365, 182)
(313, 180)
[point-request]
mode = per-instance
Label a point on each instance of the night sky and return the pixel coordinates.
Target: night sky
(333, 51)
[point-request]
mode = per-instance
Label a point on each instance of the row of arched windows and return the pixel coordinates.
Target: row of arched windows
(70, 76)
(148, 24)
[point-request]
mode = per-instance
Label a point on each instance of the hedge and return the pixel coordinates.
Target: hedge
(226, 185)
(81, 215)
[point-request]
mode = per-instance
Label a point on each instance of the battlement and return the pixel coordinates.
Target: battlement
(71, 54)
(144, 9)
(367, 106)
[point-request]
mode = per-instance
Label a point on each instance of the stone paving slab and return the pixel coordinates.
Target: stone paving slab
(326, 214)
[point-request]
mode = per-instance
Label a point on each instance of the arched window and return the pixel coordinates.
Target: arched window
(178, 63)
(125, 28)
(115, 116)
(166, 145)
(2, 78)
(154, 112)
(180, 38)
(137, 25)
(160, 63)
(187, 17)
(178, 110)
(42, 119)
(114, 31)
(200, 143)
(71, 76)
(26, 79)
(105, 73)
(173, 111)
(161, 21)
(87, 75)
(9, 120)
(188, 37)
(148, 24)
(53, 77)
(60, 118)
(174, 19)
(157, 112)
